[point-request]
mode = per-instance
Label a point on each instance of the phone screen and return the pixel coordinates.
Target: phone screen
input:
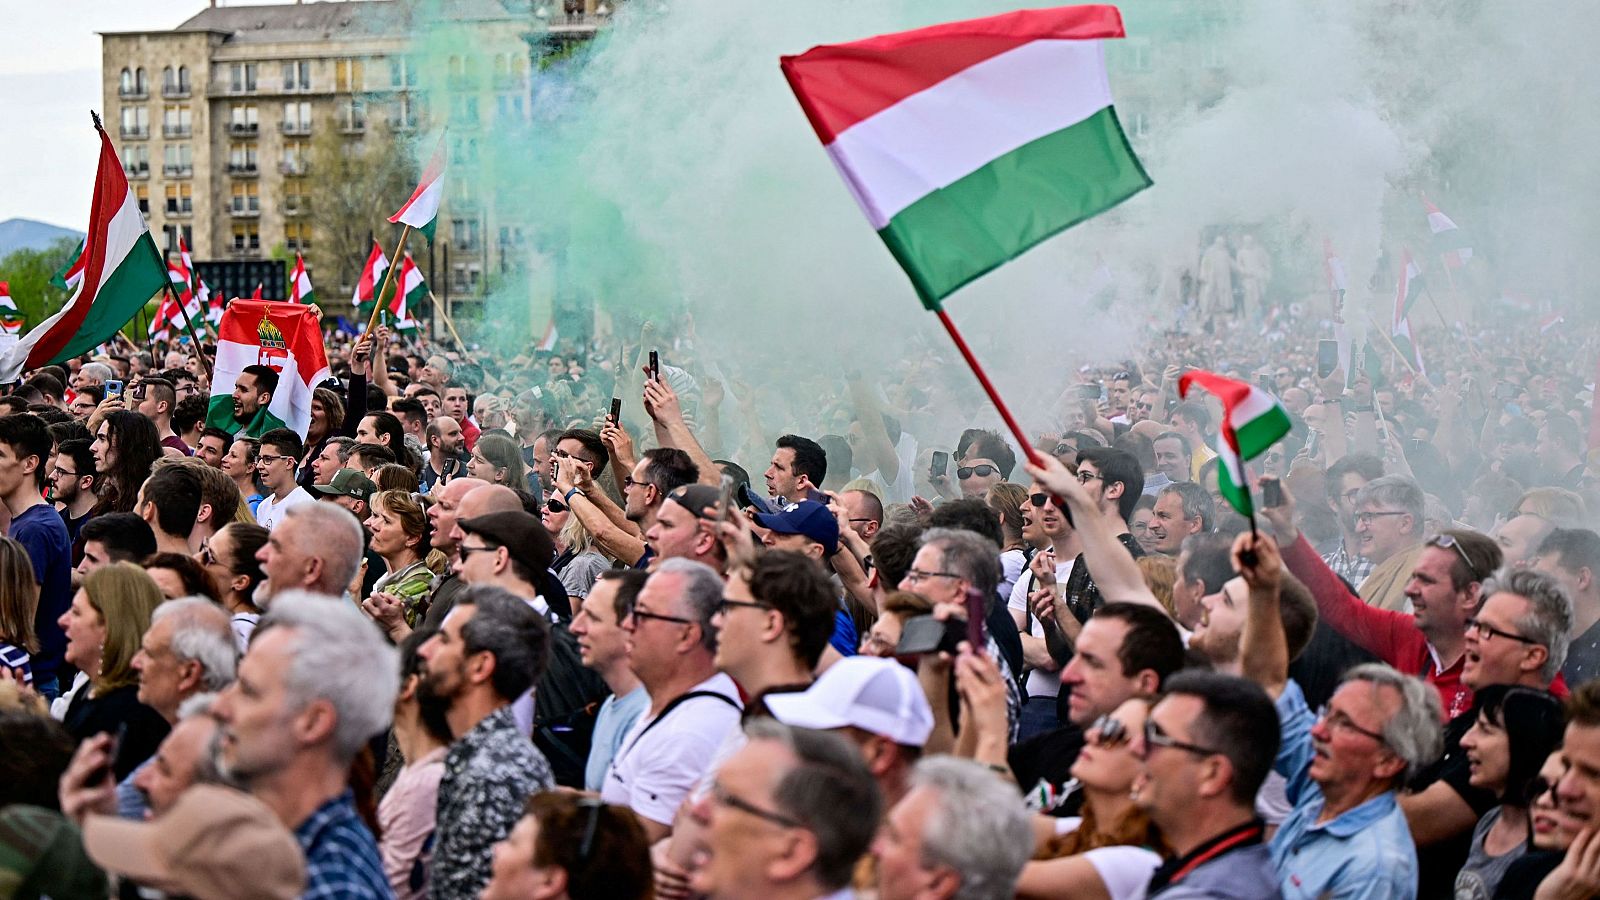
(941, 463)
(1327, 358)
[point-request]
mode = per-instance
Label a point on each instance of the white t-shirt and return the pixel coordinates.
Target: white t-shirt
(269, 513)
(1039, 684)
(1012, 564)
(656, 767)
(1124, 870)
(905, 483)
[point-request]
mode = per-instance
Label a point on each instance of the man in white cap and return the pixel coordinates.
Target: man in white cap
(878, 705)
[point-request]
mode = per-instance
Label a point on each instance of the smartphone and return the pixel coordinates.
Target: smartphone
(655, 366)
(977, 611)
(1271, 493)
(926, 634)
(941, 464)
(616, 410)
(1089, 391)
(1327, 357)
(113, 388)
(104, 772)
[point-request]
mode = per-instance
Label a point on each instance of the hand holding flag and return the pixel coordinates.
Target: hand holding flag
(1252, 421)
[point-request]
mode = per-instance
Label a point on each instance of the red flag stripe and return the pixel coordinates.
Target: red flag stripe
(841, 84)
(110, 192)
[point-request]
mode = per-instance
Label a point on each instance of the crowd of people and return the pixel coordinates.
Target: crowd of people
(483, 631)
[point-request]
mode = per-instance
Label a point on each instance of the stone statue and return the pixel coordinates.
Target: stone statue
(1255, 269)
(1216, 278)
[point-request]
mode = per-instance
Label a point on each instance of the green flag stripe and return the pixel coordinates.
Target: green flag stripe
(122, 294)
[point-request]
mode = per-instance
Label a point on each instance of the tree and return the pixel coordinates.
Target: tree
(356, 183)
(29, 273)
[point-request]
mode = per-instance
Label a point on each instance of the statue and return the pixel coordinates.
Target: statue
(1216, 278)
(1255, 268)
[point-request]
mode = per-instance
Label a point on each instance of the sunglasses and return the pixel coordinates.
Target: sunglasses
(1449, 542)
(1109, 732)
(1039, 500)
(555, 505)
(982, 471)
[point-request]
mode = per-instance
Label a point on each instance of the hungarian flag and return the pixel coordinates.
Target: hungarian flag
(122, 270)
(409, 290)
(1252, 421)
(1549, 322)
(1405, 296)
(300, 290)
(371, 280)
(213, 305)
(11, 326)
(547, 344)
(180, 285)
(967, 143)
(422, 210)
(1448, 241)
(8, 307)
(67, 278)
(282, 336)
(169, 315)
(194, 303)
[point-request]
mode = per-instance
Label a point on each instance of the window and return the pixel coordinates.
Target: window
(402, 72)
(171, 232)
(464, 233)
(348, 75)
(141, 84)
(183, 79)
(404, 113)
(464, 150)
(241, 158)
(246, 237)
(135, 122)
(297, 235)
(297, 118)
(176, 121)
(508, 106)
(175, 82)
(297, 75)
(136, 159)
(177, 161)
(464, 110)
(141, 192)
(295, 199)
(352, 115)
(180, 199)
(243, 118)
(242, 77)
(1138, 125)
(246, 198)
(125, 83)
(296, 155)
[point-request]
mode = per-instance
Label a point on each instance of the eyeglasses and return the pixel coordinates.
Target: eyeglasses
(1338, 721)
(982, 471)
(1155, 737)
(628, 482)
(727, 603)
(1085, 476)
(1367, 517)
(646, 614)
(1449, 542)
(916, 576)
(1350, 495)
(59, 472)
(1145, 406)
(590, 826)
(207, 558)
(1063, 449)
(468, 551)
(1537, 788)
(1486, 631)
(722, 797)
(1109, 731)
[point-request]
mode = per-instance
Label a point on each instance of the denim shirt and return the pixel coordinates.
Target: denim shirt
(1366, 852)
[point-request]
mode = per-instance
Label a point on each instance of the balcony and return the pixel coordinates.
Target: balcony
(245, 211)
(134, 132)
(175, 91)
(296, 206)
(177, 131)
(465, 206)
(462, 83)
(293, 168)
(244, 170)
(352, 126)
(140, 172)
(184, 170)
(296, 245)
(232, 88)
(295, 128)
(133, 93)
(176, 210)
(243, 129)
(469, 244)
(245, 251)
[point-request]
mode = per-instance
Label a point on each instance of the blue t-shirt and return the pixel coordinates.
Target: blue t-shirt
(41, 532)
(615, 720)
(844, 637)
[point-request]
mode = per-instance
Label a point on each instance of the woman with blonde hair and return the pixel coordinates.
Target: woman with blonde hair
(104, 628)
(1160, 574)
(577, 562)
(399, 529)
(19, 599)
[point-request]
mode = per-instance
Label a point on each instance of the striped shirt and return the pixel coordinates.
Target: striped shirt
(14, 657)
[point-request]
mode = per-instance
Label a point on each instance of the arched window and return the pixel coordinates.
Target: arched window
(183, 78)
(141, 82)
(455, 67)
(169, 80)
(125, 85)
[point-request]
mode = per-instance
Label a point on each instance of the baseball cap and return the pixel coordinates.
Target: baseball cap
(41, 854)
(348, 483)
(213, 842)
(808, 517)
(695, 498)
(876, 695)
(520, 533)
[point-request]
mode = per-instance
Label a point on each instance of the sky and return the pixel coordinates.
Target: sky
(49, 80)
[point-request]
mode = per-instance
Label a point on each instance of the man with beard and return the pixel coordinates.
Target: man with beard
(72, 482)
(1344, 480)
(492, 648)
(252, 395)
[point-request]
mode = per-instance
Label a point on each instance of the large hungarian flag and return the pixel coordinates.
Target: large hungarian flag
(1448, 240)
(1252, 421)
(967, 143)
(121, 271)
(195, 296)
(285, 337)
(371, 280)
(300, 290)
(1405, 296)
(421, 211)
(410, 290)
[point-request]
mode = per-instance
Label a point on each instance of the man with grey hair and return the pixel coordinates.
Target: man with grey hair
(1182, 509)
(961, 831)
(187, 756)
(788, 816)
(318, 682)
(92, 373)
(189, 648)
(492, 648)
(1347, 832)
(672, 649)
(317, 547)
(1391, 514)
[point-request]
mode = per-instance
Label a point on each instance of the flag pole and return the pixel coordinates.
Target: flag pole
(439, 308)
(1390, 341)
(388, 277)
(188, 325)
(988, 387)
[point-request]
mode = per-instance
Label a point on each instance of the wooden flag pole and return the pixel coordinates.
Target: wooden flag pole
(988, 387)
(439, 308)
(388, 277)
(1390, 341)
(188, 325)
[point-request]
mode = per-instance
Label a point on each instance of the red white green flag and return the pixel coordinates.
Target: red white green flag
(67, 278)
(1406, 292)
(1448, 240)
(967, 143)
(285, 337)
(1252, 421)
(300, 290)
(7, 305)
(371, 280)
(121, 271)
(421, 211)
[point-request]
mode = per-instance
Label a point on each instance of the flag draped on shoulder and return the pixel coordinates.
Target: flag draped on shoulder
(1448, 240)
(1252, 421)
(285, 337)
(1405, 296)
(967, 143)
(421, 211)
(121, 270)
(371, 280)
(300, 290)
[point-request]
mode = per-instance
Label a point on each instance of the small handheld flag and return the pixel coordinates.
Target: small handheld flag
(1252, 421)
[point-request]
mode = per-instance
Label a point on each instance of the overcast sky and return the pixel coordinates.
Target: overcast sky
(49, 80)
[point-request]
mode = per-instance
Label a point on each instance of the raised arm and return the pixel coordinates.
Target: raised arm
(661, 402)
(1114, 569)
(869, 414)
(1263, 648)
